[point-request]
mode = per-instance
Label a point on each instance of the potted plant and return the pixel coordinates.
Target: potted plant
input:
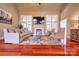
(20, 26)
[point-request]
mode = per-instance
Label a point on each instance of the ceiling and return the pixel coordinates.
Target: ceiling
(40, 7)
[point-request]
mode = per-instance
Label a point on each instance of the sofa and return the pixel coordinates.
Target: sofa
(16, 36)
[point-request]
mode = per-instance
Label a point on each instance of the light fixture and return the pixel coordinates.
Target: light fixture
(39, 3)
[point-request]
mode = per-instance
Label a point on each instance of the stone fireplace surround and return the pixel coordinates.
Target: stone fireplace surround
(39, 26)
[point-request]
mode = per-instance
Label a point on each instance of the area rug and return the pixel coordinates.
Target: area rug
(35, 40)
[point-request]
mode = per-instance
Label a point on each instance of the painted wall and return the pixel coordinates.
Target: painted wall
(11, 9)
(71, 12)
(38, 13)
(42, 13)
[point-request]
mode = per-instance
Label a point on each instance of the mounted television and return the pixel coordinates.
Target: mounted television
(38, 20)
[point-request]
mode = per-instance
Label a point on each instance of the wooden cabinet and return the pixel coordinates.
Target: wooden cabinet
(74, 34)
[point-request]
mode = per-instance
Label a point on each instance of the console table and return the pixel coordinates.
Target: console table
(74, 35)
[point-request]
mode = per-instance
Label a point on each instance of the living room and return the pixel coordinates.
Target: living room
(39, 24)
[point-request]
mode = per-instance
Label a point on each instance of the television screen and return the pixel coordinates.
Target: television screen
(38, 20)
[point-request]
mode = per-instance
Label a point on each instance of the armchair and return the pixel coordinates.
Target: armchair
(60, 36)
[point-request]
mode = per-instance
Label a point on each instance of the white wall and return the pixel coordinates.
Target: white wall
(63, 24)
(10, 8)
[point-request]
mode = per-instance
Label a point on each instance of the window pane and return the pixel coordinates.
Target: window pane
(29, 26)
(26, 21)
(52, 22)
(23, 18)
(24, 25)
(54, 18)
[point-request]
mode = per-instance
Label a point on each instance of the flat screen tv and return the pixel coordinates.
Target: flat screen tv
(38, 20)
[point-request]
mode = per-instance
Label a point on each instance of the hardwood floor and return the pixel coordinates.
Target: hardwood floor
(72, 49)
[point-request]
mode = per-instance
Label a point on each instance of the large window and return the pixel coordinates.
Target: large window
(26, 21)
(52, 23)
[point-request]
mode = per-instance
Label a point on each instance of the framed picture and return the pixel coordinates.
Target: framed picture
(5, 17)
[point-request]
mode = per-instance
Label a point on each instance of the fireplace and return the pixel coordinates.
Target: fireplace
(38, 24)
(38, 28)
(38, 31)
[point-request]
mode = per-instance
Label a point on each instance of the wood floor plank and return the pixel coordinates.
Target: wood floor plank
(72, 49)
